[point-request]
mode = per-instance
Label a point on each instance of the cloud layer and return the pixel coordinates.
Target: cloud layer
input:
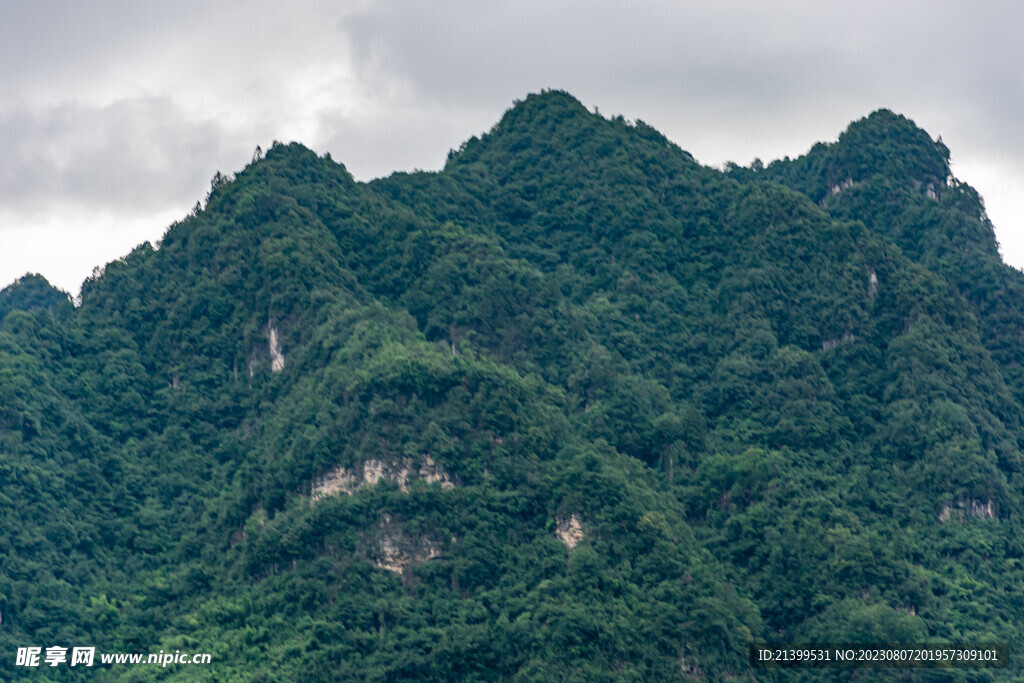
(114, 115)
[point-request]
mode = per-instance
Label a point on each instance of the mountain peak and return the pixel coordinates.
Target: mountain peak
(539, 117)
(32, 292)
(555, 126)
(883, 143)
(889, 144)
(547, 100)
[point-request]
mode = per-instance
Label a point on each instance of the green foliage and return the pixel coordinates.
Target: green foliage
(31, 293)
(574, 408)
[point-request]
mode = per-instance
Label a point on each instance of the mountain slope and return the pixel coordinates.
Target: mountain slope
(575, 407)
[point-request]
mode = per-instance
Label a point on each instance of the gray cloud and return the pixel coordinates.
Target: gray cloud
(772, 67)
(118, 110)
(134, 155)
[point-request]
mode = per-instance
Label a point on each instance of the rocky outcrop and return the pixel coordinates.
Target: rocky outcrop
(373, 471)
(394, 549)
(276, 356)
(962, 509)
(569, 530)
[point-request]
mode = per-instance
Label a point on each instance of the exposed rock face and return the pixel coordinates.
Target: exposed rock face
(336, 481)
(345, 480)
(839, 187)
(431, 473)
(569, 530)
(395, 550)
(276, 356)
(962, 509)
(690, 670)
(374, 471)
(833, 342)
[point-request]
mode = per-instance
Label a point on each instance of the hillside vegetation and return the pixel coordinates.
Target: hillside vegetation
(575, 407)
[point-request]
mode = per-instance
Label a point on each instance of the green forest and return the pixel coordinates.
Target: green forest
(574, 408)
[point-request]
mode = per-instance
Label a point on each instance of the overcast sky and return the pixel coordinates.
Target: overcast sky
(114, 115)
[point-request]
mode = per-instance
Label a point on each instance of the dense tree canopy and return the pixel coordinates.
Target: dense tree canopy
(573, 408)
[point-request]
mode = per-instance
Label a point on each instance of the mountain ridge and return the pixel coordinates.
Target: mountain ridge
(678, 410)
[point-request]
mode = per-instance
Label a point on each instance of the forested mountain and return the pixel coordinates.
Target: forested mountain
(575, 407)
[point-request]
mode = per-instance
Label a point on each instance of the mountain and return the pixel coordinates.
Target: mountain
(575, 407)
